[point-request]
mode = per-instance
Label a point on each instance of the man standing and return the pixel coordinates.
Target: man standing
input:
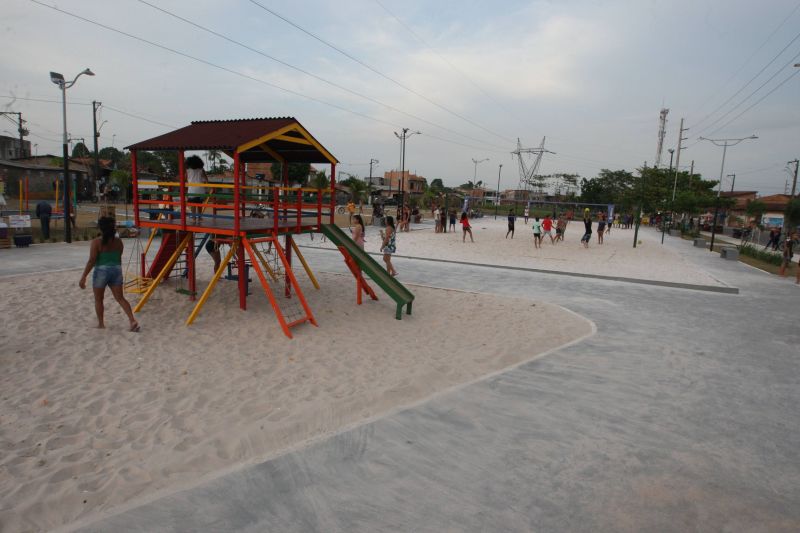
(43, 212)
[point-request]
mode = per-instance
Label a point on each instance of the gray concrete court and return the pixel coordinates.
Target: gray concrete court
(680, 414)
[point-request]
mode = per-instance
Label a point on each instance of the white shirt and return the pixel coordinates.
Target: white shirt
(196, 175)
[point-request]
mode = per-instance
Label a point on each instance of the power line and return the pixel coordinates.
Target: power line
(792, 75)
(746, 61)
(307, 73)
(12, 97)
(106, 106)
(228, 70)
(376, 71)
(737, 93)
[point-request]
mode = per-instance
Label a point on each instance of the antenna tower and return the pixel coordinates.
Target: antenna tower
(662, 132)
(528, 174)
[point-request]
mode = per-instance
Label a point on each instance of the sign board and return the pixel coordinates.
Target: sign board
(19, 221)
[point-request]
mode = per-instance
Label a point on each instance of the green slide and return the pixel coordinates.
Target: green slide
(372, 268)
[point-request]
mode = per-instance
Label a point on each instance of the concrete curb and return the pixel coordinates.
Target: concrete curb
(670, 284)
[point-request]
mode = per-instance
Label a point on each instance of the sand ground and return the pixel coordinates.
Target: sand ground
(616, 257)
(90, 419)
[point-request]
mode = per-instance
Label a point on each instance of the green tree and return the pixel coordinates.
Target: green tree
(319, 180)
(436, 185)
(792, 214)
(756, 208)
(298, 172)
(80, 151)
(116, 157)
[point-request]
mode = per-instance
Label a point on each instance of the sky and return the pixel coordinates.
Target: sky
(472, 76)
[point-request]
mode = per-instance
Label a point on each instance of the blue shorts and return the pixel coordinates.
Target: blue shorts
(107, 276)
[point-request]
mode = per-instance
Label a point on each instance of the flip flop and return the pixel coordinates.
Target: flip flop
(136, 329)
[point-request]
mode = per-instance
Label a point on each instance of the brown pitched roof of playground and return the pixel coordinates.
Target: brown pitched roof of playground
(227, 135)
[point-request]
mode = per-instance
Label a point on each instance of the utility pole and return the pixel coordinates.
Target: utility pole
(475, 175)
(794, 179)
(371, 161)
(641, 206)
(497, 198)
(681, 138)
(95, 107)
(403, 138)
(733, 180)
(671, 154)
(725, 144)
(21, 130)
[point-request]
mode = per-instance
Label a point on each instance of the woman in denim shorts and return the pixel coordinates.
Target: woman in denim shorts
(105, 256)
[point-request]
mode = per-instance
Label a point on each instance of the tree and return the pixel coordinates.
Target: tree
(319, 180)
(436, 185)
(298, 172)
(81, 151)
(792, 214)
(756, 208)
(117, 157)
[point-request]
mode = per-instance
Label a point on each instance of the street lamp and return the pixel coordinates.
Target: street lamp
(59, 80)
(725, 144)
(671, 153)
(405, 135)
(497, 197)
(475, 175)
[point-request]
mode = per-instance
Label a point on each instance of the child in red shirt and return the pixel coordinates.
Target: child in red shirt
(466, 228)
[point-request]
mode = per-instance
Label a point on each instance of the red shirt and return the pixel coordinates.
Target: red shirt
(547, 224)
(465, 223)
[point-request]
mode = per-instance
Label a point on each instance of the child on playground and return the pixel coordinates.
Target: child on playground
(388, 247)
(195, 174)
(105, 257)
(466, 228)
(452, 226)
(358, 231)
(537, 232)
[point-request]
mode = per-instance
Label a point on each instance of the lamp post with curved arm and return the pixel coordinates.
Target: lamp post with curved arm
(405, 135)
(59, 80)
(724, 143)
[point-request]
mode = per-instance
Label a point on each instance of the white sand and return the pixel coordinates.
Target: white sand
(616, 257)
(90, 419)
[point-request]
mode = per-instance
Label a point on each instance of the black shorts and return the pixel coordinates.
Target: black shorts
(511, 227)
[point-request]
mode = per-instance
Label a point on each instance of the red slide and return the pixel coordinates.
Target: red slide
(169, 240)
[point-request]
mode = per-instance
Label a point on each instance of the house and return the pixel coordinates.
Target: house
(42, 172)
(511, 196)
(10, 147)
(776, 206)
(412, 184)
(737, 215)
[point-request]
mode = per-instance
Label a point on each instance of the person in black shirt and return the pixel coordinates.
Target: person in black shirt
(587, 223)
(43, 213)
(511, 219)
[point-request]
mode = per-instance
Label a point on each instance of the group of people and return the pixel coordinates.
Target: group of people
(440, 217)
(541, 228)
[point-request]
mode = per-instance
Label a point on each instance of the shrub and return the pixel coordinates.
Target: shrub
(762, 255)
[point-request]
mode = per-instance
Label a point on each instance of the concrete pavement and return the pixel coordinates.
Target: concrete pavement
(679, 414)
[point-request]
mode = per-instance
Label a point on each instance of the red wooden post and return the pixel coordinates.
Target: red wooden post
(275, 207)
(319, 209)
(242, 276)
(299, 210)
(190, 270)
(243, 181)
(333, 190)
(182, 180)
(288, 253)
(135, 174)
(236, 193)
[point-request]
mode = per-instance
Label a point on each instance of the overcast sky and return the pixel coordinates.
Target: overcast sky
(472, 76)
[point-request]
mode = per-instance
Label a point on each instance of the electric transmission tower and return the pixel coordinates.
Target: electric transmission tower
(528, 174)
(662, 132)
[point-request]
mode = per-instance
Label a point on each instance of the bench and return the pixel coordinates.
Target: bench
(729, 252)
(700, 243)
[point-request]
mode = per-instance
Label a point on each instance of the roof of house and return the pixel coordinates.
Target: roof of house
(775, 202)
(738, 193)
(256, 140)
(77, 167)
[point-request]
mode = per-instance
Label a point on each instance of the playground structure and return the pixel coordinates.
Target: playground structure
(248, 218)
